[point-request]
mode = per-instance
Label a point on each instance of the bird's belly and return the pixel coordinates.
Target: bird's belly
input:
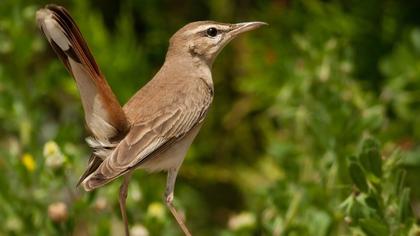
(173, 156)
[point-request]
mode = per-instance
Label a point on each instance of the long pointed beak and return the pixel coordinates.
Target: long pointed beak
(245, 27)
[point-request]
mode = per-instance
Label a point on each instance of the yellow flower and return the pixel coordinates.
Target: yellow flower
(29, 162)
(156, 210)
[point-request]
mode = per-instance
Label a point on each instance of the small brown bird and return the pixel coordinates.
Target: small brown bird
(154, 130)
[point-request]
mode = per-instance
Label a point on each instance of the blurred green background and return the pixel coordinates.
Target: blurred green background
(313, 130)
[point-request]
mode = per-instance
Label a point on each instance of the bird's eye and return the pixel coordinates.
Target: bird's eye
(211, 32)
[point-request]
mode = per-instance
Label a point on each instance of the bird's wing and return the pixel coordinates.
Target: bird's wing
(103, 113)
(147, 139)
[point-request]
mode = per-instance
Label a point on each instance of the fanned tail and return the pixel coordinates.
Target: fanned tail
(103, 113)
(104, 116)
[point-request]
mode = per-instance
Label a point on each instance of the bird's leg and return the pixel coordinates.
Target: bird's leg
(122, 200)
(169, 197)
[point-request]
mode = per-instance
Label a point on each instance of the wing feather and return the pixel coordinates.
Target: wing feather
(135, 149)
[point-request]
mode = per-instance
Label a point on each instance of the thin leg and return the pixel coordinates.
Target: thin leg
(169, 197)
(122, 200)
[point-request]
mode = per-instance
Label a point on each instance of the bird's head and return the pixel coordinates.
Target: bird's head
(205, 39)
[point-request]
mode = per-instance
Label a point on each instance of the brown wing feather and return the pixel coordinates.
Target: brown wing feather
(125, 159)
(152, 136)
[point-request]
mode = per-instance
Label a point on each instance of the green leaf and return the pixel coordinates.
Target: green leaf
(399, 183)
(404, 205)
(372, 202)
(352, 158)
(347, 204)
(374, 227)
(358, 176)
(371, 161)
(375, 202)
(357, 210)
(370, 143)
(364, 161)
(376, 162)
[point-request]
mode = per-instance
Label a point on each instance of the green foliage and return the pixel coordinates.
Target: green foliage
(374, 208)
(313, 130)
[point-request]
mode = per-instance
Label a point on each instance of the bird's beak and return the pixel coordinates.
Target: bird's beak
(245, 27)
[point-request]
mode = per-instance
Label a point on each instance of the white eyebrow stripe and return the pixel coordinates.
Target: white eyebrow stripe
(205, 27)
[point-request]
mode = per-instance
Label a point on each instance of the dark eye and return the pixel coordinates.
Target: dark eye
(211, 32)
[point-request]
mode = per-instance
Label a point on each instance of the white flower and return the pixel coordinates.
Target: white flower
(101, 204)
(139, 230)
(58, 212)
(13, 224)
(242, 220)
(54, 158)
(135, 193)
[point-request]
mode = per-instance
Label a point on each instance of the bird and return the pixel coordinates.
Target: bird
(155, 128)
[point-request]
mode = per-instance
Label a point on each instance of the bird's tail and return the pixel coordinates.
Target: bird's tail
(103, 113)
(93, 164)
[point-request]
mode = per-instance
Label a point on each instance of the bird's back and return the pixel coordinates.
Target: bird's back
(172, 86)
